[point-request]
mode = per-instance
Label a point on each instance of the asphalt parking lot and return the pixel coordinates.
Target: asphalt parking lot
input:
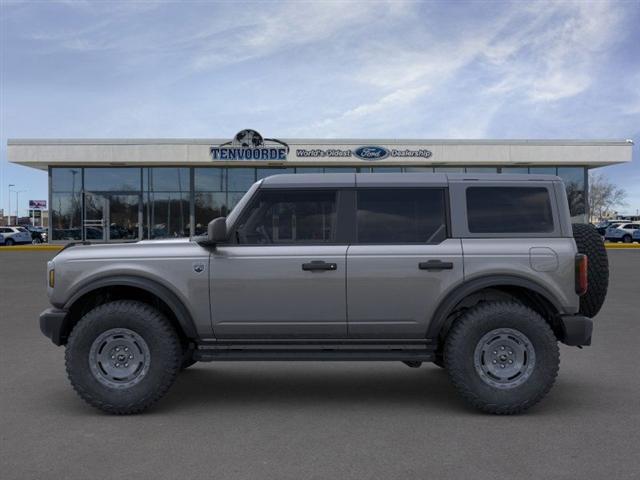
(318, 420)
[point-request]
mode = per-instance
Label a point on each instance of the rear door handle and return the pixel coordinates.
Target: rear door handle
(435, 265)
(319, 265)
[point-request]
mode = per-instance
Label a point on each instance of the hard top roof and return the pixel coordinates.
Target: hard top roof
(416, 179)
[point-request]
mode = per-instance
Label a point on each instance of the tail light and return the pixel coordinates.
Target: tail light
(582, 282)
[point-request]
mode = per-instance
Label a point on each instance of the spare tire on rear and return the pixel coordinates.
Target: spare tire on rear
(589, 242)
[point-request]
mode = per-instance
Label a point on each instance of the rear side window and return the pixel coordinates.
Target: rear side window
(401, 215)
(509, 210)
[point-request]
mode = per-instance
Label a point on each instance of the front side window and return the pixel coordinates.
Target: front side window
(509, 210)
(401, 215)
(289, 216)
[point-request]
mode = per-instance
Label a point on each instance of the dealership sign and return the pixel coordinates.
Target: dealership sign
(250, 145)
(38, 204)
(365, 152)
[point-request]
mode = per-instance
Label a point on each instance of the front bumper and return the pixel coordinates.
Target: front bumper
(576, 330)
(53, 323)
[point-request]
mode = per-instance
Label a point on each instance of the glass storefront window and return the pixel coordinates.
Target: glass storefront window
(267, 172)
(418, 169)
(166, 215)
(240, 179)
(309, 170)
(66, 179)
(573, 178)
(112, 179)
(340, 169)
(208, 205)
(514, 170)
(383, 169)
(166, 179)
(481, 170)
(449, 169)
(66, 218)
(543, 170)
(210, 179)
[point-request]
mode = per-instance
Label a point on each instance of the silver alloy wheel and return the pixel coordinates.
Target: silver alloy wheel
(504, 358)
(119, 358)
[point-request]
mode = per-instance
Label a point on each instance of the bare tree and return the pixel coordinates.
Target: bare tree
(604, 196)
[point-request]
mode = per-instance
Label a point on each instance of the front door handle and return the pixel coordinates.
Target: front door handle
(319, 265)
(435, 265)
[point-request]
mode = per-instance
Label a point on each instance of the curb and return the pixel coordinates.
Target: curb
(26, 248)
(622, 246)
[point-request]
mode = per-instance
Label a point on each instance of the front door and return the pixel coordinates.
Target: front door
(112, 217)
(401, 264)
(284, 274)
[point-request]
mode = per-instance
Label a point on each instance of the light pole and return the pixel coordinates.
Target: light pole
(9, 212)
(18, 192)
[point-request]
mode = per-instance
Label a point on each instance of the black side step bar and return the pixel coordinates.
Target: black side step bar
(414, 352)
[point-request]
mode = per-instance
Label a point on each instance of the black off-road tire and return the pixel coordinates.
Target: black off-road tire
(161, 343)
(589, 242)
(469, 332)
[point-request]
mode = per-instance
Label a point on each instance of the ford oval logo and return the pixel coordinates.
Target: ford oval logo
(371, 153)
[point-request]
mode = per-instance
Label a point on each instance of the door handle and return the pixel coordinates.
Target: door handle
(319, 265)
(435, 265)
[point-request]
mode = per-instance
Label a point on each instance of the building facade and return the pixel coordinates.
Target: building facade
(126, 190)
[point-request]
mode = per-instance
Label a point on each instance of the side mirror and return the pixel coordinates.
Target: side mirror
(217, 230)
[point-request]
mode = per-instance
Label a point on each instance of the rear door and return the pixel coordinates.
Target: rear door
(401, 263)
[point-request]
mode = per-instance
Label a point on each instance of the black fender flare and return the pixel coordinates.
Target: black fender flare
(178, 308)
(467, 288)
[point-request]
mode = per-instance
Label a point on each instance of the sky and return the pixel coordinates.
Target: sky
(374, 69)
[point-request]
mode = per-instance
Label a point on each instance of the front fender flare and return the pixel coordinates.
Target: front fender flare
(174, 303)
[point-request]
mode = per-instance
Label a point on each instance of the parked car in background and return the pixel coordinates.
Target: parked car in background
(38, 234)
(602, 226)
(621, 233)
(1, 239)
(15, 235)
(636, 236)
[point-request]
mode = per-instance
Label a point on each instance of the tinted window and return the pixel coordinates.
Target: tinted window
(401, 215)
(282, 217)
(509, 210)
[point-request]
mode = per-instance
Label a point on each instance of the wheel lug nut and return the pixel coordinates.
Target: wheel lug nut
(501, 348)
(502, 365)
(113, 357)
(495, 361)
(117, 349)
(126, 364)
(495, 353)
(117, 364)
(126, 349)
(130, 356)
(510, 361)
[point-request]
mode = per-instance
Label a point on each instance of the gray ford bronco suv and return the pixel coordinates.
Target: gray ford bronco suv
(481, 274)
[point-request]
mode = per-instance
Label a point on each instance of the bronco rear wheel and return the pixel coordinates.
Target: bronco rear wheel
(589, 242)
(123, 356)
(502, 357)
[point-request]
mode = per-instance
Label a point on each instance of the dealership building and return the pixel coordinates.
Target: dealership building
(132, 189)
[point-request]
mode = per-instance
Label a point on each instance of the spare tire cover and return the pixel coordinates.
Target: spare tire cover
(589, 242)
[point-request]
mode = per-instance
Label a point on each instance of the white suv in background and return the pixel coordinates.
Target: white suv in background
(15, 235)
(622, 232)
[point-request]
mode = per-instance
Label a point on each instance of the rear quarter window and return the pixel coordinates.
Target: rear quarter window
(509, 210)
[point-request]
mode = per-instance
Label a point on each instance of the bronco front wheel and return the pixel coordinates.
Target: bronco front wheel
(123, 356)
(502, 357)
